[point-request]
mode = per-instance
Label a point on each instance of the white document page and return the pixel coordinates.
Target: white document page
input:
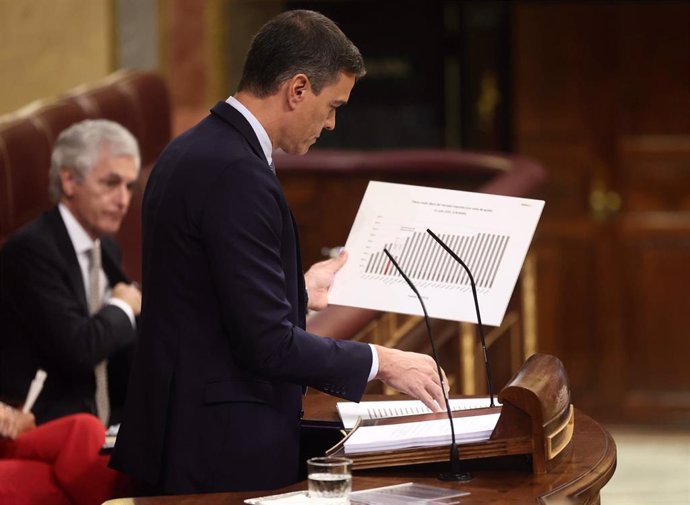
(34, 390)
(350, 411)
(490, 233)
(409, 492)
(397, 494)
(420, 434)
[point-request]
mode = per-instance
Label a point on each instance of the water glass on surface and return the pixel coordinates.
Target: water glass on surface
(330, 480)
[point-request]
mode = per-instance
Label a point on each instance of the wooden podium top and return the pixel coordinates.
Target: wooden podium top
(585, 467)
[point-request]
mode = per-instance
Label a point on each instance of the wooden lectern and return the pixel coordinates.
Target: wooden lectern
(536, 419)
(536, 405)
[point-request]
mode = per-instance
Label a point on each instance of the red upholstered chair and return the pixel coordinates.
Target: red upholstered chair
(24, 161)
(52, 117)
(137, 100)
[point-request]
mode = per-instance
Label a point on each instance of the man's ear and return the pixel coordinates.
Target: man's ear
(68, 180)
(297, 89)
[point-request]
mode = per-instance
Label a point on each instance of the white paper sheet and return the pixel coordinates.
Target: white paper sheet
(490, 233)
(350, 411)
(34, 390)
(420, 434)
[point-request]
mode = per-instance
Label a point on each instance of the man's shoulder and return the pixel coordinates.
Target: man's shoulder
(35, 233)
(210, 139)
(213, 144)
(224, 136)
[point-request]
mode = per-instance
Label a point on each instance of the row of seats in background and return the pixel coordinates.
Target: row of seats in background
(138, 100)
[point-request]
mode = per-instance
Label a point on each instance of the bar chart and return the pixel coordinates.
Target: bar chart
(489, 233)
(421, 258)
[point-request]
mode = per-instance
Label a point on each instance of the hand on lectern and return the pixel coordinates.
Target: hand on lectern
(413, 374)
(319, 279)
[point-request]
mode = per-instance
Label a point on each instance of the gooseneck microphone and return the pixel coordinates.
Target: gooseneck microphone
(455, 474)
(480, 329)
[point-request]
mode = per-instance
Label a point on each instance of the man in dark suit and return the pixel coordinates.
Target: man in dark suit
(66, 306)
(215, 398)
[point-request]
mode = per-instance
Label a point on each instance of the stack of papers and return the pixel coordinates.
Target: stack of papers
(350, 411)
(420, 434)
(419, 494)
(111, 436)
(410, 492)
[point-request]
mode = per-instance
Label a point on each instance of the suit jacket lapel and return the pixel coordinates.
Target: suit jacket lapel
(234, 118)
(66, 250)
(109, 255)
(111, 262)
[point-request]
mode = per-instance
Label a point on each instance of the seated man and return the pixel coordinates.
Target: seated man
(56, 463)
(65, 304)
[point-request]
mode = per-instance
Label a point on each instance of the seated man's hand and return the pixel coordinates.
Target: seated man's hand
(413, 374)
(14, 422)
(319, 279)
(129, 294)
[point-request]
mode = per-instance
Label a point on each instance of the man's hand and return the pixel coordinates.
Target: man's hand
(413, 374)
(319, 278)
(129, 294)
(14, 422)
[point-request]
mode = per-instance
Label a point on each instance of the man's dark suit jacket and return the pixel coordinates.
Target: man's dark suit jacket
(215, 398)
(46, 324)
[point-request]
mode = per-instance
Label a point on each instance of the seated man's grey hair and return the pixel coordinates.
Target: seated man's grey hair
(80, 146)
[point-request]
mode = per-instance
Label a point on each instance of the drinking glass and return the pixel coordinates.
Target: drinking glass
(330, 480)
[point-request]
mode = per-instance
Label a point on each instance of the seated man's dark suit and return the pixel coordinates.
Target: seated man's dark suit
(215, 397)
(46, 324)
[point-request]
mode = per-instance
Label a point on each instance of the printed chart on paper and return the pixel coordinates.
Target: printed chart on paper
(490, 233)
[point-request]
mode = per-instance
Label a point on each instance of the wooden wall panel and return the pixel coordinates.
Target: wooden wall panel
(654, 254)
(655, 172)
(565, 314)
(602, 91)
(652, 61)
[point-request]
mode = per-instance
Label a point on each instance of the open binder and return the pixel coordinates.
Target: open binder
(536, 419)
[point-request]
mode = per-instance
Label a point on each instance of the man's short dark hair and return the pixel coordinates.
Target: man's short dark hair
(298, 41)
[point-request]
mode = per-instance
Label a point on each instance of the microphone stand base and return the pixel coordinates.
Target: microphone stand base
(455, 476)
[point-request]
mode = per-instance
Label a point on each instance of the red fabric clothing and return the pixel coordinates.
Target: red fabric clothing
(26, 482)
(58, 463)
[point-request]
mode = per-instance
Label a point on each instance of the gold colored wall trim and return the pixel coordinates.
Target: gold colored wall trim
(528, 293)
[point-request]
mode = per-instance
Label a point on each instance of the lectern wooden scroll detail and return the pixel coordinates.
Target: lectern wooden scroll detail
(537, 419)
